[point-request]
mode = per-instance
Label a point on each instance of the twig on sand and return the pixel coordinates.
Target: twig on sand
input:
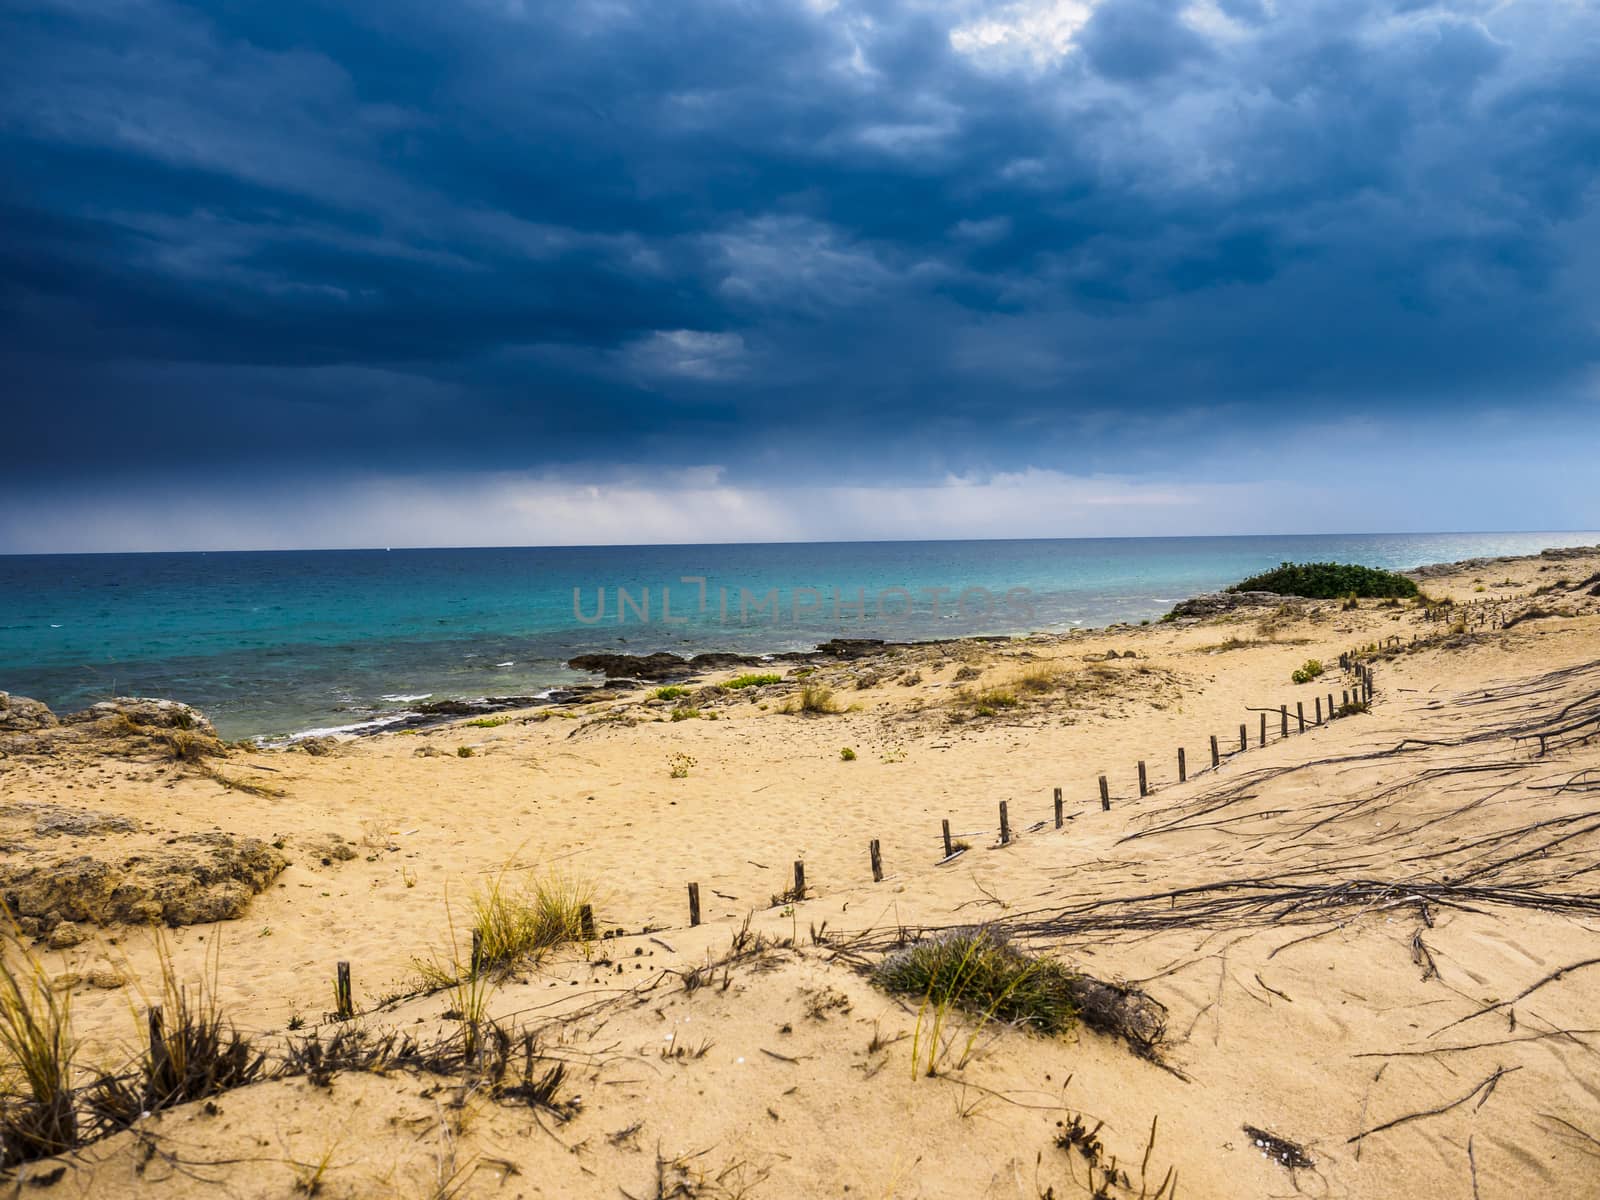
(1486, 1086)
(1527, 991)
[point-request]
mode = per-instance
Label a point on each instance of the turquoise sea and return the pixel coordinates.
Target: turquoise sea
(274, 643)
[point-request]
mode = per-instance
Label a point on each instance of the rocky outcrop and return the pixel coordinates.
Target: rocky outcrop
(189, 880)
(144, 712)
(18, 714)
(1213, 604)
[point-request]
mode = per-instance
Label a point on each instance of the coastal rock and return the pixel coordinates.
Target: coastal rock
(66, 935)
(191, 879)
(146, 713)
(1213, 604)
(652, 667)
(19, 714)
(317, 747)
(720, 660)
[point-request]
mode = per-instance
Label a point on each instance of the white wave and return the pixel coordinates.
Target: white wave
(348, 730)
(406, 699)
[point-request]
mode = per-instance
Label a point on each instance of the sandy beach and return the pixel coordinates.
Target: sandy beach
(1372, 942)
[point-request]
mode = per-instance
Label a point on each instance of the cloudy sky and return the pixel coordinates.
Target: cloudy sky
(378, 272)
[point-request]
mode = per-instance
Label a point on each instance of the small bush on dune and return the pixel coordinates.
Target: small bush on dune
(1310, 671)
(1328, 581)
(673, 692)
(979, 971)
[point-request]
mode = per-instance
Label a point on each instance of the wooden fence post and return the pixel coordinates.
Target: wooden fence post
(586, 922)
(1216, 755)
(949, 846)
(1005, 825)
(1060, 819)
(876, 853)
(1300, 714)
(1263, 729)
(1183, 766)
(343, 1005)
(1244, 737)
(1144, 784)
(1105, 795)
(1283, 714)
(799, 879)
(694, 904)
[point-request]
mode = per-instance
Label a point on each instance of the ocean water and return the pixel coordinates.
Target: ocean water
(273, 643)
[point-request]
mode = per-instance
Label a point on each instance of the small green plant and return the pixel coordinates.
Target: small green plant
(679, 765)
(671, 692)
(464, 752)
(744, 681)
(488, 722)
(1306, 673)
(685, 713)
(847, 754)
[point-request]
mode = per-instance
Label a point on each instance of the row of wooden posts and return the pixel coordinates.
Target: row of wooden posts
(1362, 693)
(344, 1003)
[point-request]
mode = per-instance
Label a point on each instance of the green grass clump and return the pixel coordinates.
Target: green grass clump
(522, 923)
(488, 722)
(1308, 672)
(979, 971)
(744, 681)
(671, 692)
(1328, 581)
(847, 755)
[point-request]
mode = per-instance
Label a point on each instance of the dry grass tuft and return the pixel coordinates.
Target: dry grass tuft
(192, 1051)
(37, 1117)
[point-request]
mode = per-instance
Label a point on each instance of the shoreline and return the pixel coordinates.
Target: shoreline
(662, 667)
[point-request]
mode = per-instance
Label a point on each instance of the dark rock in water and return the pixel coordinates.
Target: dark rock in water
(655, 667)
(1214, 603)
(850, 648)
(146, 713)
(18, 714)
(719, 660)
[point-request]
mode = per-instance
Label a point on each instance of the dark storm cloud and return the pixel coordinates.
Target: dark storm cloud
(310, 235)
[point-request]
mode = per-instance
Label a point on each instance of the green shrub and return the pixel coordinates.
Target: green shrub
(670, 693)
(1307, 673)
(744, 681)
(488, 722)
(847, 754)
(978, 970)
(1328, 581)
